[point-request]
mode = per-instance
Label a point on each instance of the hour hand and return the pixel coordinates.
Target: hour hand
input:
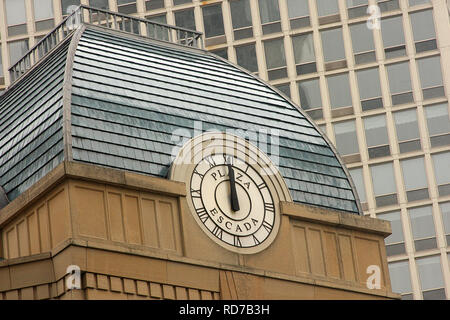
(233, 195)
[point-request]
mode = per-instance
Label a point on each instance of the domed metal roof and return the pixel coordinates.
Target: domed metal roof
(112, 99)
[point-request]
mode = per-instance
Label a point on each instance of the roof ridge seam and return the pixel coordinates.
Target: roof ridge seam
(67, 92)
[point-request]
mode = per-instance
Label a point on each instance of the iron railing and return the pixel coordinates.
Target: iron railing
(108, 19)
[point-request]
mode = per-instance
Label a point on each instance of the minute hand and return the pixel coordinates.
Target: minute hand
(234, 197)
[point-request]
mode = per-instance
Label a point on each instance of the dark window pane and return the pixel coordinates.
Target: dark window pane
(339, 89)
(383, 179)
(333, 44)
(221, 53)
(269, 11)
(101, 4)
(65, 4)
(303, 48)
(185, 19)
(327, 7)
(362, 37)
(399, 78)
(438, 294)
(422, 223)
(422, 25)
(17, 49)
(213, 21)
(406, 125)
(240, 13)
(154, 4)
(246, 57)
(309, 91)
(394, 249)
(285, 88)
(274, 50)
(368, 83)
(346, 141)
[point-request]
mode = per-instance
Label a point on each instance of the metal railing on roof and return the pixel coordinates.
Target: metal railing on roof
(108, 19)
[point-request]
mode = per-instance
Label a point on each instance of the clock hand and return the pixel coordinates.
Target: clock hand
(234, 197)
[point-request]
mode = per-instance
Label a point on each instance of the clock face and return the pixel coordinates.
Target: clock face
(233, 191)
(232, 201)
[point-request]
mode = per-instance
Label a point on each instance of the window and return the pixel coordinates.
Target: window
(369, 89)
(346, 140)
(126, 6)
(155, 31)
(154, 4)
(328, 11)
(377, 136)
(298, 14)
(393, 38)
(401, 279)
(43, 14)
(213, 22)
(275, 59)
(445, 211)
(357, 8)
(185, 19)
(246, 57)
(101, 4)
(400, 83)
(441, 163)
(17, 50)
(395, 244)
(221, 53)
(431, 77)
(270, 16)
(417, 2)
(384, 187)
(310, 99)
(423, 30)
(438, 123)
(422, 226)
(66, 4)
(340, 96)
(242, 19)
(362, 41)
(358, 180)
(431, 280)
(178, 2)
(305, 59)
(407, 130)
(333, 49)
(16, 17)
(388, 5)
(285, 88)
(415, 179)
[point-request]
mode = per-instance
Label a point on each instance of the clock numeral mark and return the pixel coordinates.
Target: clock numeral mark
(237, 242)
(210, 161)
(267, 226)
(201, 175)
(217, 232)
(262, 186)
(255, 239)
(195, 193)
(228, 159)
(246, 169)
(202, 214)
(269, 207)
(239, 177)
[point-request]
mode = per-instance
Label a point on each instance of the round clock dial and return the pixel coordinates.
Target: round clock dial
(232, 200)
(233, 191)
